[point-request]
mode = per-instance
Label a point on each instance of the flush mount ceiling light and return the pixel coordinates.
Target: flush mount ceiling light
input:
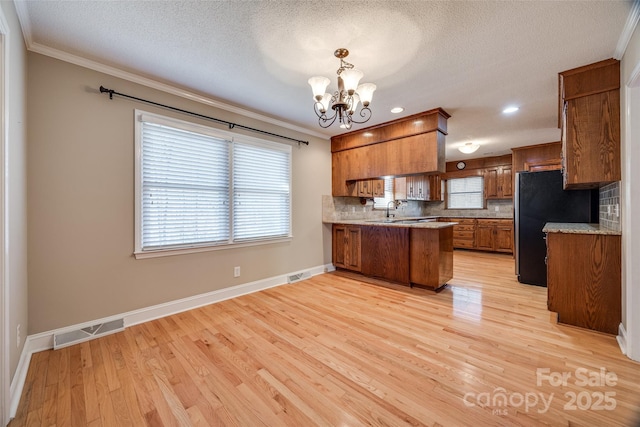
(396, 110)
(344, 102)
(469, 147)
(510, 110)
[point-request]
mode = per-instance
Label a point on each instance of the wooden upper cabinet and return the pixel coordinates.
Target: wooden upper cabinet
(409, 146)
(590, 122)
(420, 187)
(536, 158)
(370, 188)
(498, 183)
(400, 188)
(377, 187)
(365, 189)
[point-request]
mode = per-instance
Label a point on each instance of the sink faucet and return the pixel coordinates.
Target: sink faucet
(388, 214)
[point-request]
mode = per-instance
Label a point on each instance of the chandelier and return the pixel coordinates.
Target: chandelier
(344, 102)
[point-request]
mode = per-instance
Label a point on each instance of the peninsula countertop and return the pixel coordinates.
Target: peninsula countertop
(411, 222)
(578, 228)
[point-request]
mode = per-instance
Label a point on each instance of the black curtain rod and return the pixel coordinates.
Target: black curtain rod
(231, 125)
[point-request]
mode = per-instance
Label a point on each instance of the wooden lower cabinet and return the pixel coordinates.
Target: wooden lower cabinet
(494, 235)
(411, 256)
(464, 232)
(347, 248)
(385, 253)
(431, 257)
(584, 280)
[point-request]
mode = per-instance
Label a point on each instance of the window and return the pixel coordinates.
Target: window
(465, 193)
(199, 188)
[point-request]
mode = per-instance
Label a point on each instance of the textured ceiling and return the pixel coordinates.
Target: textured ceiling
(470, 58)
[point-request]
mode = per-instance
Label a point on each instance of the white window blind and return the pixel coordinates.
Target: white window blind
(196, 187)
(465, 193)
(261, 191)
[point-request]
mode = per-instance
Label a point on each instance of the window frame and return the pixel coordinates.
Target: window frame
(482, 192)
(231, 137)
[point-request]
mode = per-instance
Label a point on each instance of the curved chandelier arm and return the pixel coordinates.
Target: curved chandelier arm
(365, 113)
(323, 120)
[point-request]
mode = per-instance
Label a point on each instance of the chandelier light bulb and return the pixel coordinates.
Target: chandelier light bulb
(318, 86)
(365, 90)
(351, 78)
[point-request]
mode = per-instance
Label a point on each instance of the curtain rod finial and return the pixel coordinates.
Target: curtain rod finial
(104, 89)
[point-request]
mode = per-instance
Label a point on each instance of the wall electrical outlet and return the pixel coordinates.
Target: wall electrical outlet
(18, 337)
(236, 271)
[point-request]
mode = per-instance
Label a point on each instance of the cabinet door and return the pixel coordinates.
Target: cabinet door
(339, 245)
(504, 239)
(378, 187)
(400, 188)
(421, 187)
(353, 250)
(435, 188)
(491, 183)
(347, 247)
(592, 141)
(411, 191)
(485, 237)
(506, 183)
(365, 189)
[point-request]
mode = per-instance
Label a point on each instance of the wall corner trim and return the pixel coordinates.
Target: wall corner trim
(44, 340)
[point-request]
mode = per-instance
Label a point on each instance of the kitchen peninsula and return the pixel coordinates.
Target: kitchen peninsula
(410, 251)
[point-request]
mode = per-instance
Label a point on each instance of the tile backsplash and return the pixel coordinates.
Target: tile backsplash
(350, 208)
(610, 206)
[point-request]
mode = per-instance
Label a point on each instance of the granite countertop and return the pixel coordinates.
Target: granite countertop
(398, 222)
(578, 228)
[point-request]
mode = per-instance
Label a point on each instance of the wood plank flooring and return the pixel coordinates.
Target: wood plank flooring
(333, 351)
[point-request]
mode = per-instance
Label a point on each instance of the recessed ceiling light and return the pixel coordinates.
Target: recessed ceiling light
(396, 110)
(510, 110)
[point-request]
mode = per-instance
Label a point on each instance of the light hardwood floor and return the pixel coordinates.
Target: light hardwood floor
(333, 351)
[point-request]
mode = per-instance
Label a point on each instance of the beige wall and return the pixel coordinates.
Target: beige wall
(81, 204)
(16, 185)
(630, 194)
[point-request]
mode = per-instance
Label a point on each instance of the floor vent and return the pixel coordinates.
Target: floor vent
(299, 276)
(88, 333)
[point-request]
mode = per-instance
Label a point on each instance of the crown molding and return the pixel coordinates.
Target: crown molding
(32, 46)
(627, 31)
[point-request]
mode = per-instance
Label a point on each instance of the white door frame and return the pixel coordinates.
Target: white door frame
(5, 374)
(630, 210)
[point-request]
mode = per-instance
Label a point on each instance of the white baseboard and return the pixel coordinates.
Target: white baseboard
(44, 340)
(622, 338)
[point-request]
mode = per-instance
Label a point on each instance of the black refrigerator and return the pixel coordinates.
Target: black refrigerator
(539, 199)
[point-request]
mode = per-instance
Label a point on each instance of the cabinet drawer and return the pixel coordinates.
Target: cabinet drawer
(490, 222)
(463, 228)
(463, 243)
(463, 234)
(463, 221)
